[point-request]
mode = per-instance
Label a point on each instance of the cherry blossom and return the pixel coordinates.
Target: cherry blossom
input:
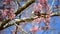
(7, 11)
(34, 29)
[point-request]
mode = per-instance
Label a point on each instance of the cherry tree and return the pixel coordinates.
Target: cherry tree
(42, 12)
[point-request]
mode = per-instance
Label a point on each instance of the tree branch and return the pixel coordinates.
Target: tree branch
(18, 11)
(17, 21)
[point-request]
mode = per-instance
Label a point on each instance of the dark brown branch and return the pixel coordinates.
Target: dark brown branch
(24, 6)
(17, 21)
(18, 11)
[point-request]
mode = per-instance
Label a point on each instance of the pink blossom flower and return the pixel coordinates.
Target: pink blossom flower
(34, 29)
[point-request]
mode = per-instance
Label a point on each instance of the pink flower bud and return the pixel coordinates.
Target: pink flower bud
(34, 29)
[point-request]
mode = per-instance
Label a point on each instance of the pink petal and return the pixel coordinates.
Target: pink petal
(34, 29)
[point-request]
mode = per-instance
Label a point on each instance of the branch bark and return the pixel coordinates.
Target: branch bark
(18, 11)
(17, 21)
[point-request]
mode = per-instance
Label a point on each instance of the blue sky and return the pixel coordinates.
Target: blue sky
(28, 25)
